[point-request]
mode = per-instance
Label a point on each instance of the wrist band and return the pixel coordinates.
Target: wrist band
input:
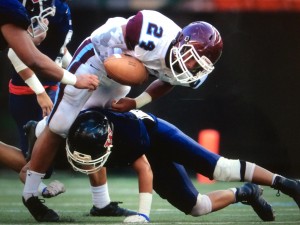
(142, 100)
(68, 78)
(34, 83)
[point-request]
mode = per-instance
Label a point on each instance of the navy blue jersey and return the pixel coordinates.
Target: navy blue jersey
(130, 138)
(59, 26)
(12, 12)
(169, 151)
(135, 136)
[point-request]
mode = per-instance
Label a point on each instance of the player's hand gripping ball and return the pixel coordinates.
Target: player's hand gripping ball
(125, 69)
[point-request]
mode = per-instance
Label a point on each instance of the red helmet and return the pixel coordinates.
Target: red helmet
(199, 41)
(205, 38)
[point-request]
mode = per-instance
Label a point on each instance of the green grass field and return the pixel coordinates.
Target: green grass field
(74, 205)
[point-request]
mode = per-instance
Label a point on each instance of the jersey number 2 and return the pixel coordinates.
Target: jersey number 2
(155, 31)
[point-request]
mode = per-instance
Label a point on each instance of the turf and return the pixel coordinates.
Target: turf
(74, 205)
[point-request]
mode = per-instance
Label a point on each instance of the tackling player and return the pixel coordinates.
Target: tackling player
(105, 138)
(15, 19)
(31, 98)
(175, 56)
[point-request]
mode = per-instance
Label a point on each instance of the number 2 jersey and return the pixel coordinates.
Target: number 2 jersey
(149, 37)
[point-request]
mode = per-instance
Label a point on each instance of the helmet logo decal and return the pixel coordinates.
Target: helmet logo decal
(108, 142)
(186, 39)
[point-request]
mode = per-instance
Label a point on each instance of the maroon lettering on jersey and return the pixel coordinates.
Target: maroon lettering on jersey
(133, 30)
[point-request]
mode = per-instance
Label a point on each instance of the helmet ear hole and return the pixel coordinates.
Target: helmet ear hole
(89, 142)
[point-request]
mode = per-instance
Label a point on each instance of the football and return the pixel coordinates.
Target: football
(125, 69)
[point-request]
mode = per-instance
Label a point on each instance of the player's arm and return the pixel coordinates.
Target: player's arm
(155, 90)
(32, 81)
(145, 179)
(19, 40)
(66, 59)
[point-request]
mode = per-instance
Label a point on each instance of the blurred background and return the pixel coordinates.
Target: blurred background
(252, 96)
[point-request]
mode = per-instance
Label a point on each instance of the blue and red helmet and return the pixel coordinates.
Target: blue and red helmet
(38, 11)
(89, 142)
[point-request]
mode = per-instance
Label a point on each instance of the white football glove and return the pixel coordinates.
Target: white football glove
(53, 189)
(140, 218)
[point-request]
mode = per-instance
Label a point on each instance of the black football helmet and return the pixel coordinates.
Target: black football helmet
(38, 10)
(89, 142)
(201, 42)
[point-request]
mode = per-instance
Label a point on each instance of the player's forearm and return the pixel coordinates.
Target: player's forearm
(47, 69)
(51, 71)
(158, 89)
(42, 65)
(154, 91)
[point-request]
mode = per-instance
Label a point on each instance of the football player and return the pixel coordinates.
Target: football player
(175, 56)
(106, 138)
(35, 101)
(31, 98)
(16, 17)
(20, 21)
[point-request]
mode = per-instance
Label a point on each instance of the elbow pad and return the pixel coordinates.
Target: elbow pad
(16, 62)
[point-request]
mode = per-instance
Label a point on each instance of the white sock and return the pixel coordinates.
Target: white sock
(41, 188)
(33, 180)
(234, 190)
(40, 126)
(100, 196)
(145, 201)
(274, 176)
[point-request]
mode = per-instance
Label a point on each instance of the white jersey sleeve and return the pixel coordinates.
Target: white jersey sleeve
(108, 39)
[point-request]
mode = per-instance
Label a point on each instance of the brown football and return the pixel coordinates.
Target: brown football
(125, 69)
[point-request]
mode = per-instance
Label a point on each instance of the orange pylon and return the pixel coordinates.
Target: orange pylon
(209, 139)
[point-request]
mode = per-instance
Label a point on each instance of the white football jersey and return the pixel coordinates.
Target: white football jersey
(154, 33)
(157, 33)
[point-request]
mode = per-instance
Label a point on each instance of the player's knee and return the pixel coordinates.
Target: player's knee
(233, 170)
(62, 129)
(203, 206)
(40, 126)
